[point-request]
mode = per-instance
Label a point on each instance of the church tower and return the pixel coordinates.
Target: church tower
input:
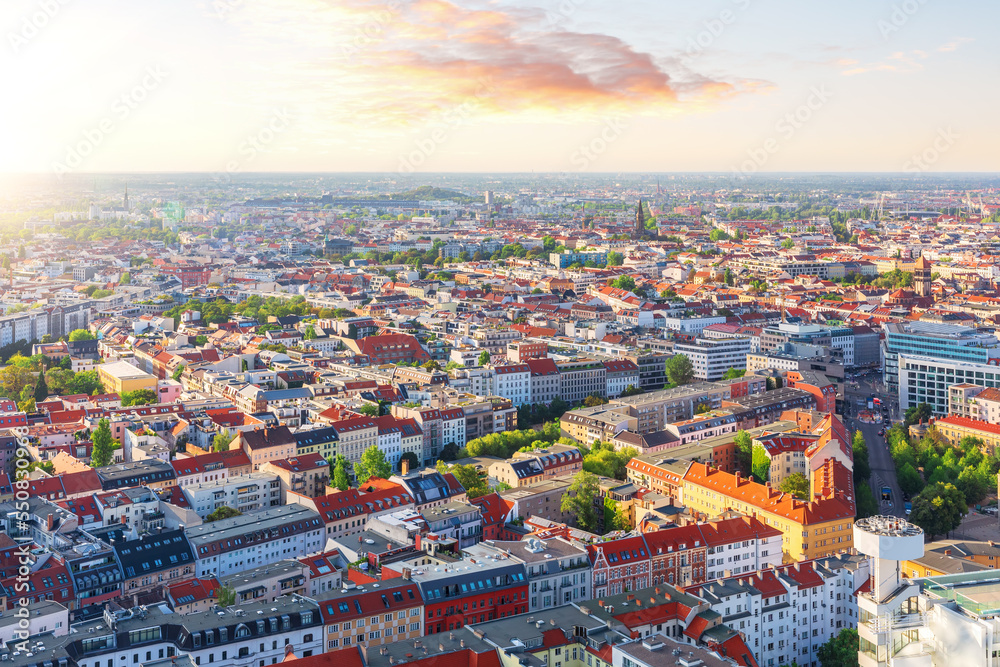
(922, 276)
(640, 222)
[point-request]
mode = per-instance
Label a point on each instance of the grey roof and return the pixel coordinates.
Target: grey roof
(515, 631)
(250, 528)
(662, 651)
(133, 474)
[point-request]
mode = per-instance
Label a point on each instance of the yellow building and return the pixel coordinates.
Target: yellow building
(121, 376)
(814, 529)
(955, 428)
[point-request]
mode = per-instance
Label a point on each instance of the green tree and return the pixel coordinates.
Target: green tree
(840, 651)
(226, 595)
(626, 283)
(340, 478)
(744, 451)
(411, 458)
(862, 467)
(788, 244)
(80, 334)
(224, 512)
(484, 357)
(717, 235)
(310, 333)
(369, 409)
(865, 501)
(103, 448)
(41, 389)
(615, 258)
(579, 500)
(594, 400)
(909, 480)
(760, 464)
(372, 464)
(796, 484)
(734, 374)
(921, 412)
(614, 517)
(631, 390)
(222, 441)
(467, 475)
(679, 369)
(125, 279)
(176, 375)
(138, 397)
(939, 509)
(450, 452)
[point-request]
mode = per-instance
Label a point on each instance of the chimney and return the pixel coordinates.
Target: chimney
(629, 597)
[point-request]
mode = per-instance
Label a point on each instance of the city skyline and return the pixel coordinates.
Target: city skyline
(227, 86)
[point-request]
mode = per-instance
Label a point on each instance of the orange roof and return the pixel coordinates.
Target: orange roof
(969, 423)
(767, 499)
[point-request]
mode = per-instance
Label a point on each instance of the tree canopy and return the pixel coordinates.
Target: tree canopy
(103, 447)
(579, 500)
(679, 369)
(372, 464)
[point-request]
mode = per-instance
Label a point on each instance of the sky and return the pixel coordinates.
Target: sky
(411, 86)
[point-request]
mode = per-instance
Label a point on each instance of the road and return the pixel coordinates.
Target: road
(882, 466)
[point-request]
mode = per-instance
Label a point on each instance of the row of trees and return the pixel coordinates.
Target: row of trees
(942, 479)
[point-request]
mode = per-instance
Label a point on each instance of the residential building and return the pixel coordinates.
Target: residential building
(558, 570)
(241, 543)
(244, 493)
(580, 379)
(365, 616)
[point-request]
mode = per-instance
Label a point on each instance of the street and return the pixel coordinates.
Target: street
(882, 466)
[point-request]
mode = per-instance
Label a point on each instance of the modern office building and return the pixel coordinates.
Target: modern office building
(712, 357)
(921, 360)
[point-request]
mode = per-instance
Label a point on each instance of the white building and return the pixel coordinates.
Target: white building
(691, 325)
(785, 614)
(453, 426)
(712, 357)
(513, 382)
(246, 493)
(390, 439)
(245, 542)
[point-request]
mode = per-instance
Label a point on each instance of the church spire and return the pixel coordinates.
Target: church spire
(640, 221)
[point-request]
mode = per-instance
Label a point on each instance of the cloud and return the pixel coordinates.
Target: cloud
(400, 61)
(954, 45)
(899, 62)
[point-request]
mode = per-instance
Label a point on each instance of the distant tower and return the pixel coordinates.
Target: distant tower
(488, 198)
(922, 276)
(126, 198)
(640, 222)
